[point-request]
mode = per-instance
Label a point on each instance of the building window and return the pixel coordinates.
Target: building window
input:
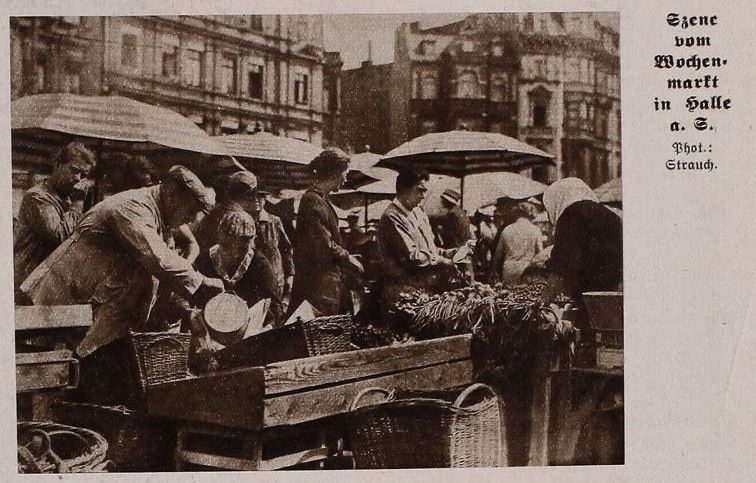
(573, 115)
(467, 85)
(129, 50)
(228, 74)
(527, 23)
(40, 74)
(428, 126)
(499, 92)
(428, 86)
(539, 67)
(301, 82)
(544, 25)
(256, 23)
(72, 85)
(170, 61)
(539, 105)
(572, 73)
(255, 82)
(192, 67)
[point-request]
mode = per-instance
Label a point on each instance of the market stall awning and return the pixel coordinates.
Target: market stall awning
(111, 118)
(462, 153)
(610, 192)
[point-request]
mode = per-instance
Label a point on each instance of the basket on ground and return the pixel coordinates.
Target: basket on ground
(427, 429)
(45, 447)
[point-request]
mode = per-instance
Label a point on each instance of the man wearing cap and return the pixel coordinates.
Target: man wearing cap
(48, 215)
(455, 226)
(116, 253)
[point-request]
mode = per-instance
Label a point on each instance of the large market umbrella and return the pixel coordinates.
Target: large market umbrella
(279, 162)
(111, 117)
(364, 160)
(490, 187)
(364, 196)
(463, 153)
(610, 192)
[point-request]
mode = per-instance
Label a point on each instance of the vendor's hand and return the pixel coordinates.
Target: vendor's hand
(210, 288)
(355, 262)
(288, 284)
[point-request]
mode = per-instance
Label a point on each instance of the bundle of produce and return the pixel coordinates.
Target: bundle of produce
(507, 323)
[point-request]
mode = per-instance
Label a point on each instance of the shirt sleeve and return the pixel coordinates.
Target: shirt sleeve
(313, 219)
(284, 246)
(136, 229)
(47, 222)
(399, 238)
(268, 289)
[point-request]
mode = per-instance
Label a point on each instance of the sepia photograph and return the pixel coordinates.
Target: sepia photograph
(317, 241)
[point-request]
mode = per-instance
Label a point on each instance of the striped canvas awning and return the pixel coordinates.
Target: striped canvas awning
(113, 118)
(461, 153)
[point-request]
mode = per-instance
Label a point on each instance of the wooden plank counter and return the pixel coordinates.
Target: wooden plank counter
(297, 391)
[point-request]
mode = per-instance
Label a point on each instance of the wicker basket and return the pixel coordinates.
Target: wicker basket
(136, 441)
(426, 430)
(45, 447)
(328, 335)
(160, 357)
(319, 336)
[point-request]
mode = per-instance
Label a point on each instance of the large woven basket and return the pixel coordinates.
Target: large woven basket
(426, 430)
(136, 441)
(56, 448)
(161, 357)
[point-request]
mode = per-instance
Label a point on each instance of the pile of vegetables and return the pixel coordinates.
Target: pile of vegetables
(509, 324)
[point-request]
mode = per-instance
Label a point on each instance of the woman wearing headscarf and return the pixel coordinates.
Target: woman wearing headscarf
(320, 259)
(587, 253)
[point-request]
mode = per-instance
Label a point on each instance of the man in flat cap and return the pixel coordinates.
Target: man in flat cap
(112, 260)
(455, 226)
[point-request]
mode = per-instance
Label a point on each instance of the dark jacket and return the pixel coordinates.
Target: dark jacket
(587, 249)
(319, 255)
(455, 228)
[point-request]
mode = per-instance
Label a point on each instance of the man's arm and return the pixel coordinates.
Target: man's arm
(47, 223)
(135, 228)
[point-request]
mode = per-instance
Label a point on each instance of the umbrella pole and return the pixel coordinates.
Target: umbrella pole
(462, 192)
(365, 199)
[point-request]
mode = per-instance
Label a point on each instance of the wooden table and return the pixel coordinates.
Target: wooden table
(252, 403)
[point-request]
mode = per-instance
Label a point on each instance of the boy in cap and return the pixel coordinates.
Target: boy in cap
(113, 259)
(242, 267)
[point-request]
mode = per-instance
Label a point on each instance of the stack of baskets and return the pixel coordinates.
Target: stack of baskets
(428, 429)
(56, 448)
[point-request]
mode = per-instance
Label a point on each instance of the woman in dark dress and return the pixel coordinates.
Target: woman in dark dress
(321, 261)
(587, 253)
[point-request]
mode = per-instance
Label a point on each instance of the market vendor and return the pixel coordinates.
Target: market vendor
(112, 260)
(320, 259)
(587, 252)
(410, 258)
(241, 266)
(48, 215)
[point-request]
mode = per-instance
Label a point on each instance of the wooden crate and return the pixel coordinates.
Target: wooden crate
(302, 390)
(38, 371)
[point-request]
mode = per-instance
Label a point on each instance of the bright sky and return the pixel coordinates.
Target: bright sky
(349, 34)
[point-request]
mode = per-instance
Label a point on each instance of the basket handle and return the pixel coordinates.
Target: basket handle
(471, 389)
(165, 339)
(368, 390)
